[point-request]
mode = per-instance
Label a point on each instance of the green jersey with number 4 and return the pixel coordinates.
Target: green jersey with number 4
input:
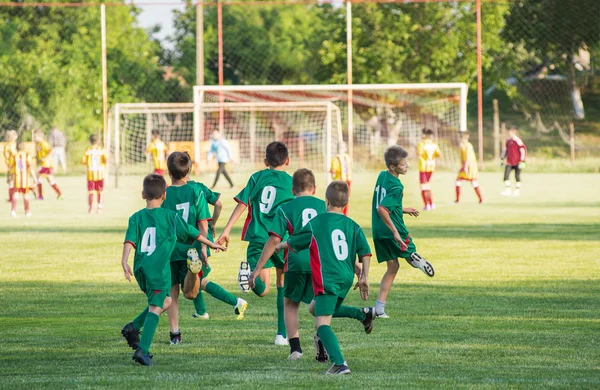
(265, 192)
(388, 194)
(154, 233)
(189, 201)
(334, 241)
(292, 217)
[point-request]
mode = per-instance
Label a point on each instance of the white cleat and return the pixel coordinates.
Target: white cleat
(432, 206)
(244, 277)
(418, 262)
(295, 355)
(280, 340)
(204, 316)
(28, 214)
(193, 261)
(427, 208)
(240, 308)
(506, 192)
(382, 315)
(13, 214)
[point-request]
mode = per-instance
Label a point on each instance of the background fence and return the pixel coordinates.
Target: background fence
(540, 59)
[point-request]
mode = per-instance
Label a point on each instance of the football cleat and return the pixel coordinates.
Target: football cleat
(382, 315)
(141, 358)
(193, 261)
(432, 206)
(321, 356)
(13, 213)
(240, 308)
(28, 214)
(280, 340)
(427, 208)
(244, 276)
(418, 262)
(370, 315)
(338, 369)
(132, 335)
(203, 316)
(295, 355)
(175, 338)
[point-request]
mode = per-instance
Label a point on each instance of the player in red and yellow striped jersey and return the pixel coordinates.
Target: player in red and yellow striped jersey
(159, 152)
(95, 160)
(21, 168)
(468, 168)
(10, 148)
(44, 160)
(341, 169)
(427, 151)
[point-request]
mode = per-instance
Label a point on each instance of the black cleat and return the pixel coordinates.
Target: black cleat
(141, 358)
(175, 338)
(132, 335)
(322, 356)
(338, 369)
(370, 315)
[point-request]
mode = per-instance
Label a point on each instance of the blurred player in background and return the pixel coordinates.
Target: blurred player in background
(94, 159)
(468, 167)
(21, 168)
(10, 148)
(58, 141)
(44, 159)
(219, 147)
(159, 151)
(427, 152)
(514, 155)
(341, 169)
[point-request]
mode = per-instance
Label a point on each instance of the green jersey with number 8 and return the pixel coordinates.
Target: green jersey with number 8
(154, 233)
(292, 217)
(334, 241)
(265, 192)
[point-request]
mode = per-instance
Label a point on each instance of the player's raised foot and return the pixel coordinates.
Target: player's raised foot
(321, 356)
(175, 338)
(240, 308)
(506, 192)
(418, 262)
(370, 315)
(280, 340)
(382, 315)
(13, 213)
(132, 335)
(193, 261)
(338, 369)
(204, 316)
(244, 276)
(145, 359)
(295, 355)
(516, 193)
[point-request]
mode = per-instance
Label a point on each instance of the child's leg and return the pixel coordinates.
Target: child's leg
(138, 321)
(458, 184)
(99, 200)
(26, 204)
(40, 194)
(280, 312)
(90, 201)
(54, 186)
(386, 284)
(261, 285)
(199, 304)
(13, 202)
(151, 323)
(349, 312)
(173, 311)
(191, 285)
(475, 184)
(219, 292)
(291, 322)
(329, 339)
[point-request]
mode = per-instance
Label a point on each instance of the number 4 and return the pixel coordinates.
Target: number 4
(149, 241)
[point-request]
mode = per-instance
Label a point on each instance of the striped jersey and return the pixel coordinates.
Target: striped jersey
(341, 168)
(95, 160)
(20, 167)
(43, 150)
(158, 150)
(427, 151)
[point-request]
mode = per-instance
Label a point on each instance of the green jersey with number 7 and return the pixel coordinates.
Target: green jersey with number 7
(265, 192)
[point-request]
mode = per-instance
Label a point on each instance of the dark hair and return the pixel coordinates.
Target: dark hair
(303, 180)
(337, 193)
(393, 155)
(154, 186)
(276, 154)
(427, 131)
(179, 165)
(93, 138)
(155, 132)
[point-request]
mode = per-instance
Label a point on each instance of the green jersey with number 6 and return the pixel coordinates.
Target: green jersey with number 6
(265, 192)
(388, 194)
(154, 233)
(292, 217)
(189, 201)
(334, 241)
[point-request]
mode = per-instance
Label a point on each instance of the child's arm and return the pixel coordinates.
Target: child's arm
(387, 220)
(410, 211)
(363, 281)
(218, 207)
(210, 244)
(237, 213)
(266, 254)
(127, 246)
(203, 228)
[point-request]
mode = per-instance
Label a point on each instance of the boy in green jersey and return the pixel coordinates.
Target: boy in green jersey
(153, 233)
(189, 199)
(334, 241)
(390, 235)
(265, 192)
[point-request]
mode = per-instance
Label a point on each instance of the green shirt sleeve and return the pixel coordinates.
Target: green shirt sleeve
(393, 199)
(131, 235)
(244, 195)
(279, 226)
(185, 232)
(362, 246)
(202, 207)
(211, 197)
(302, 239)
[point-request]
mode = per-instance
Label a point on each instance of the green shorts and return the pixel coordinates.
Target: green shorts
(327, 304)
(298, 287)
(179, 270)
(388, 249)
(157, 297)
(253, 255)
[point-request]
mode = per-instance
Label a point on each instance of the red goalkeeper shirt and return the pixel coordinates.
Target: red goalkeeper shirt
(515, 151)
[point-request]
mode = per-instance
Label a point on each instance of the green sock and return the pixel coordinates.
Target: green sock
(138, 321)
(280, 314)
(349, 312)
(259, 287)
(150, 326)
(220, 293)
(199, 304)
(330, 342)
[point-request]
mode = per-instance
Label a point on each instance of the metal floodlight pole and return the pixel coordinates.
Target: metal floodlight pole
(349, 70)
(479, 87)
(220, 44)
(200, 42)
(104, 70)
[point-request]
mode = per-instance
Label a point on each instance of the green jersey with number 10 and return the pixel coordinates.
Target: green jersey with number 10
(388, 194)
(265, 192)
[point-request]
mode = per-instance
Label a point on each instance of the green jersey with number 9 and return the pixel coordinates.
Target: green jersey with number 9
(265, 192)
(334, 241)
(154, 233)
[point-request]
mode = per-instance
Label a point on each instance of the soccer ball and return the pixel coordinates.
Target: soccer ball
(244, 276)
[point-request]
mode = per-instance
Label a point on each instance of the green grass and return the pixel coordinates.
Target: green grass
(514, 303)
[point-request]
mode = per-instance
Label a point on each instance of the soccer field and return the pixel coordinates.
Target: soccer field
(514, 302)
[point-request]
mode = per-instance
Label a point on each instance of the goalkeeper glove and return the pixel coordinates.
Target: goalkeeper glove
(522, 165)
